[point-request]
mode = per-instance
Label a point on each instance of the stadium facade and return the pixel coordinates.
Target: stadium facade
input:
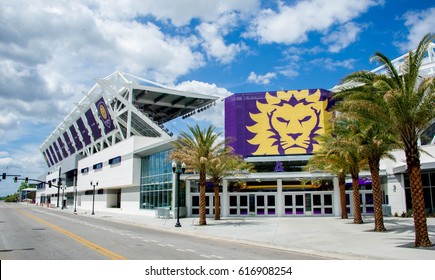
(111, 153)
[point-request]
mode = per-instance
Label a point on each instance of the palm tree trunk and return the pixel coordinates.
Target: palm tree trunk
(342, 187)
(357, 219)
(217, 215)
(202, 197)
(377, 195)
(417, 197)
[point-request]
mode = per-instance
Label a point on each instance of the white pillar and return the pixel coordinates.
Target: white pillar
(336, 197)
(224, 199)
(188, 199)
(279, 199)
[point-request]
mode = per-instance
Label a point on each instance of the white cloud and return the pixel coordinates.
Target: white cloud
(289, 71)
(342, 37)
(419, 24)
(261, 79)
(291, 24)
(215, 46)
(179, 12)
(52, 51)
(331, 65)
(215, 114)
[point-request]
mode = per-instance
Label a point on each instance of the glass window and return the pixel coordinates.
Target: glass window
(288, 200)
(432, 179)
(243, 200)
(115, 160)
(425, 179)
(427, 199)
(271, 200)
(156, 181)
(260, 200)
(233, 200)
(328, 199)
(299, 200)
(98, 166)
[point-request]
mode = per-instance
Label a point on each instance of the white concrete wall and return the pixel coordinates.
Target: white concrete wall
(395, 185)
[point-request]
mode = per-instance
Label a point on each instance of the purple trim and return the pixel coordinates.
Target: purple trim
(361, 182)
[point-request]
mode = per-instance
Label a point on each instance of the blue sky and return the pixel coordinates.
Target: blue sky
(52, 51)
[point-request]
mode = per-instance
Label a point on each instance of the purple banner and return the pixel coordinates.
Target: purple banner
(95, 129)
(53, 154)
(104, 115)
(62, 147)
(49, 157)
(76, 138)
(46, 159)
(69, 143)
(277, 122)
(83, 131)
(56, 148)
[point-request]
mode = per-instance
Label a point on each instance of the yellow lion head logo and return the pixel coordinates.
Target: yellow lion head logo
(289, 122)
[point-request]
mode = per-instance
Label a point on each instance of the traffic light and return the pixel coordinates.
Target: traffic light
(49, 184)
(15, 179)
(4, 176)
(26, 180)
(60, 181)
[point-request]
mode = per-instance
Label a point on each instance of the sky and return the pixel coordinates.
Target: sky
(51, 52)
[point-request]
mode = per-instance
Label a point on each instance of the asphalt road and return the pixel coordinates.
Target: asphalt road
(30, 233)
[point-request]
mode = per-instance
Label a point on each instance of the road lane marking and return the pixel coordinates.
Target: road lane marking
(87, 243)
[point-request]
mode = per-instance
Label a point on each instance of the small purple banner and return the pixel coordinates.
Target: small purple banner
(104, 115)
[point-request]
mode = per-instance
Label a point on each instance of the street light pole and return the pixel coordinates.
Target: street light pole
(178, 172)
(59, 183)
(63, 198)
(75, 191)
(93, 197)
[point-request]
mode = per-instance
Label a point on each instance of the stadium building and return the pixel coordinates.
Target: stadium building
(111, 153)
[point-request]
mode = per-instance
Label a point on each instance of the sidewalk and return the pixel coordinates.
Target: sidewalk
(323, 236)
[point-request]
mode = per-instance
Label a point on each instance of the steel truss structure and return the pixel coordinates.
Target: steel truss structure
(116, 108)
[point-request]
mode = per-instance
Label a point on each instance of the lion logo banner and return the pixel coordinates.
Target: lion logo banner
(278, 123)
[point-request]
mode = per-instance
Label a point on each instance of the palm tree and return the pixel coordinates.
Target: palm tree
(331, 163)
(408, 107)
(197, 149)
(346, 148)
(375, 138)
(224, 164)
